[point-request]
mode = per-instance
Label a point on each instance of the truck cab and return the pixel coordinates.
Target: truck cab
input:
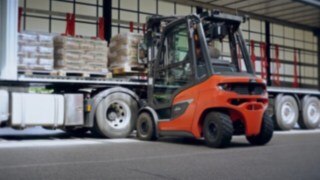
(201, 82)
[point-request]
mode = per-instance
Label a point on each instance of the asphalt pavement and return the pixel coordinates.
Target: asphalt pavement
(55, 155)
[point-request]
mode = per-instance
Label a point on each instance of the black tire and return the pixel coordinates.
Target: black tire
(217, 129)
(145, 127)
(266, 132)
(124, 112)
(275, 124)
(76, 131)
(286, 112)
(310, 117)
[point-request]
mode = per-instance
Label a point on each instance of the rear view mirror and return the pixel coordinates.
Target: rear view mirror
(219, 31)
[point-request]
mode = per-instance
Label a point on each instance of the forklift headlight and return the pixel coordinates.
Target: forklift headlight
(179, 108)
(224, 87)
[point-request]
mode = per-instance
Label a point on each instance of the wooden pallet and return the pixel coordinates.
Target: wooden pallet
(106, 75)
(132, 77)
(65, 73)
(129, 71)
(84, 74)
(30, 72)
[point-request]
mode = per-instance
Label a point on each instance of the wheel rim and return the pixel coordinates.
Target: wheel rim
(118, 114)
(288, 113)
(213, 131)
(313, 113)
(144, 128)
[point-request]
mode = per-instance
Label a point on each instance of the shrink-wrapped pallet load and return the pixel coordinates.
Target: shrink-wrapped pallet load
(75, 53)
(124, 51)
(67, 53)
(97, 58)
(35, 51)
(46, 51)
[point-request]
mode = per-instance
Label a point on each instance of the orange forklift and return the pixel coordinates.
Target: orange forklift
(201, 82)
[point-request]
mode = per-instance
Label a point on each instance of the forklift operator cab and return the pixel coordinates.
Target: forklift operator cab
(201, 82)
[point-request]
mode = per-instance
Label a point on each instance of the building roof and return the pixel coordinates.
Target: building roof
(298, 13)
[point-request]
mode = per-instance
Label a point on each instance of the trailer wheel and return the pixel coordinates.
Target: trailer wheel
(310, 113)
(145, 127)
(115, 116)
(217, 129)
(286, 112)
(266, 132)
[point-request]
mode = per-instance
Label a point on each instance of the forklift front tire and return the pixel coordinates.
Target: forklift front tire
(145, 127)
(217, 129)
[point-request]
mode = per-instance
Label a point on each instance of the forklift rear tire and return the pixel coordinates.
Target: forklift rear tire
(266, 132)
(217, 129)
(145, 127)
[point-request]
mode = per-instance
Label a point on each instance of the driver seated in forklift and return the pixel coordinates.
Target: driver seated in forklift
(214, 52)
(220, 60)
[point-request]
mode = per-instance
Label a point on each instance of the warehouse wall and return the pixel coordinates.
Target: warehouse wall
(56, 24)
(138, 10)
(288, 39)
(305, 44)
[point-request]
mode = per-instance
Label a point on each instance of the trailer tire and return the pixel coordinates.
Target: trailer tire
(286, 112)
(266, 132)
(217, 129)
(115, 116)
(145, 127)
(310, 117)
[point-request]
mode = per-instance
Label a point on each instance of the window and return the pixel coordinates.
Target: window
(200, 61)
(221, 58)
(174, 68)
(177, 44)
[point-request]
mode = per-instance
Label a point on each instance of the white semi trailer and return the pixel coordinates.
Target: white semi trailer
(107, 107)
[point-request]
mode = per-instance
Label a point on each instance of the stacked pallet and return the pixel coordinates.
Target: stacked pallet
(35, 51)
(124, 52)
(80, 54)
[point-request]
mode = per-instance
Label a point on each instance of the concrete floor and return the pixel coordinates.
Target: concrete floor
(55, 155)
